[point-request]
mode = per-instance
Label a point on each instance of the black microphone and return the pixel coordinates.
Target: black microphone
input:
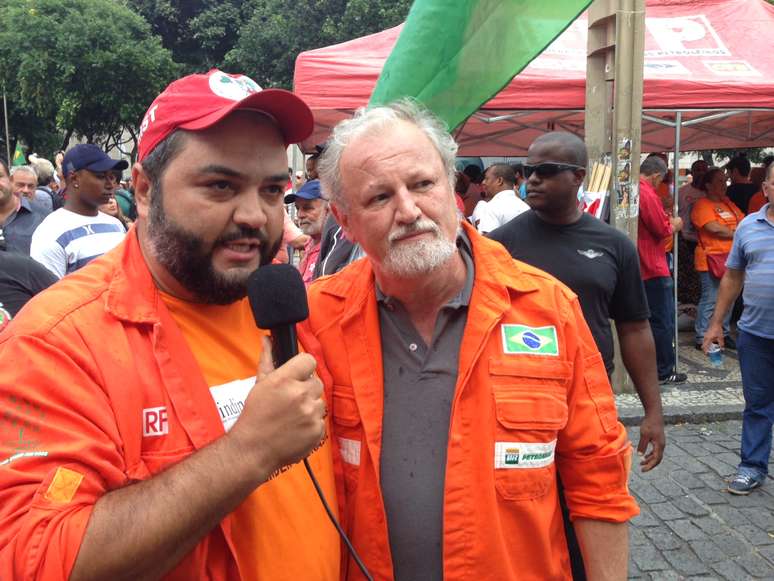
(278, 300)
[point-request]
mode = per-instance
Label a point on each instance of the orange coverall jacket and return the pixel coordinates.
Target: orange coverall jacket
(500, 522)
(100, 352)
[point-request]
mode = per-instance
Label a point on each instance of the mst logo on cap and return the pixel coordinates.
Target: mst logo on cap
(199, 101)
(234, 88)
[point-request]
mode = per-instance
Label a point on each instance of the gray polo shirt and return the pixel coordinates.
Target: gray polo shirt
(753, 252)
(19, 226)
(419, 385)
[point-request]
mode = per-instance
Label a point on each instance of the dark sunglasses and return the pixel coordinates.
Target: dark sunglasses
(548, 169)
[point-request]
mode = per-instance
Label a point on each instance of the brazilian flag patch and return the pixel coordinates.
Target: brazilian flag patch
(525, 340)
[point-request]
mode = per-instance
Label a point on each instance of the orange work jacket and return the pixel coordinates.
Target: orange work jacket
(500, 522)
(87, 367)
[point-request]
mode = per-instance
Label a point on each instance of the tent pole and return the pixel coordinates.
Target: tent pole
(7, 136)
(675, 209)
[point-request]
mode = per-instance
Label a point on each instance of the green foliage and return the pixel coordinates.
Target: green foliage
(278, 30)
(88, 67)
(198, 32)
(261, 38)
(722, 156)
(92, 67)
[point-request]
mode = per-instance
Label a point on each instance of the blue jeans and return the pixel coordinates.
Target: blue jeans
(661, 302)
(756, 361)
(709, 296)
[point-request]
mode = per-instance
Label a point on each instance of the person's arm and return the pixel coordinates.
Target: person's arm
(593, 455)
(299, 242)
(39, 278)
(730, 287)
(718, 230)
(49, 254)
(638, 351)
(605, 548)
(143, 530)
(653, 217)
(676, 222)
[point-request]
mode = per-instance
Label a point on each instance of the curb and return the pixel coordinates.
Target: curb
(694, 404)
(685, 415)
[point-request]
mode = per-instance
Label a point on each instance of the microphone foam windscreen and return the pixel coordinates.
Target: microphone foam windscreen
(277, 296)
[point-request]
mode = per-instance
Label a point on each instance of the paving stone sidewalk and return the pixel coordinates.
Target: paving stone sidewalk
(689, 526)
(710, 394)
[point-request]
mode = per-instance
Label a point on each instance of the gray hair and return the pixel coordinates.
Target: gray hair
(653, 165)
(44, 169)
(374, 119)
(24, 168)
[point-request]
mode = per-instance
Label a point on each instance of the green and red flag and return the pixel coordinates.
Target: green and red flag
(455, 55)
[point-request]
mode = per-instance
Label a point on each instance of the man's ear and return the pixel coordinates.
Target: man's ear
(580, 175)
(341, 217)
(142, 190)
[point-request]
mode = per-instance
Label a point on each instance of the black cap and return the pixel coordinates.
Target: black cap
(91, 157)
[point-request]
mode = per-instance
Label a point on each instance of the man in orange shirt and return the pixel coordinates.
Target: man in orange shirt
(463, 380)
(141, 437)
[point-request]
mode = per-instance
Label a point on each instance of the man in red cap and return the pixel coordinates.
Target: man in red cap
(147, 433)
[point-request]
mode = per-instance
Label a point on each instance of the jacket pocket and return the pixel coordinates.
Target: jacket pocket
(348, 432)
(530, 410)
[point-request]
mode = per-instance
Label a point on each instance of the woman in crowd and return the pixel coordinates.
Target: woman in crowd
(112, 208)
(715, 219)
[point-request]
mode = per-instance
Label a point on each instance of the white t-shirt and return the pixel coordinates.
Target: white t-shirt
(501, 209)
(478, 212)
(65, 241)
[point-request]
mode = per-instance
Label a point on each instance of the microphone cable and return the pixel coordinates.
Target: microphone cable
(278, 300)
(336, 524)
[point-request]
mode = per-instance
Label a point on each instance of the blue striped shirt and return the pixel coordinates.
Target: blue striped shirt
(753, 252)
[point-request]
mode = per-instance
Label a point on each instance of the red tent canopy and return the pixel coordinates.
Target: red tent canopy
(708, 59)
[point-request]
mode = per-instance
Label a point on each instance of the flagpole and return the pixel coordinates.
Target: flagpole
(7, 135)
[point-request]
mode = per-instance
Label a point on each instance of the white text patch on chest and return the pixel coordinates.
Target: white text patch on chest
(524, 454)
(230, 399)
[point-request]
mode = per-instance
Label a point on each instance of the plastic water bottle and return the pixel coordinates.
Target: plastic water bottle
(715, 355)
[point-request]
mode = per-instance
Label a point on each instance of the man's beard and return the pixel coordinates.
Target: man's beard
(312, 229)
(5, 194)
(183, 255)
(410, 259)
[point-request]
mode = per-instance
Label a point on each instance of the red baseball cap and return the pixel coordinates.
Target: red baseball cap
(199, 101)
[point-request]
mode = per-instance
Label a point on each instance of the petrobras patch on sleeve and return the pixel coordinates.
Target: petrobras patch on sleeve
(350, 451)
(230, 399)
(524, 454)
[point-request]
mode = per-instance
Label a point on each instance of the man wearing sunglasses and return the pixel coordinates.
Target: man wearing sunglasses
(77, 233)
(596, 261)
(600, 264)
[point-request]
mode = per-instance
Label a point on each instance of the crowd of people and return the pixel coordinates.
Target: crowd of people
(454, 404)
(59, 217)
